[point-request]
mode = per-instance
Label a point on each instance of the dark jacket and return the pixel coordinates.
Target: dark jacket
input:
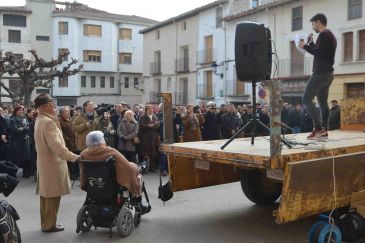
(19, 139)
(334, 119)
(149, 136)
(306, 123)
(294, 118)
(3, 131)
(265, 119)
(211, 129)
(68, 134)
(230, 123)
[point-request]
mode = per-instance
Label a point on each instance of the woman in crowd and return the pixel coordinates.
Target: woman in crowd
(191, 126)
(69, 137)
(127, 132)
(149, 136)
(20, 141)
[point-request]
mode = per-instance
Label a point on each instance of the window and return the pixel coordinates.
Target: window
(18, 56)
(63, 51)
(296, 61)
(102, 82)
(111, 82)
(125, 34)
(63, 81)
(219, 17)
(354, 9)
(66, 102)
(348, 47)
(92, 56)
(126, 82)
(92, 30)
(42, 38)
(355, 90)
(297, 18)
(62, 28)
(14, 36)
(157, 34)
(136, 83)
(93, 78)
(254, 3)
(125, 58)
(14, 20)
(183, 25)
(83, 81)
(42, 91)
(362, 45)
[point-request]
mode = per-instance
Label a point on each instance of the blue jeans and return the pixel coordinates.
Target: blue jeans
(163, 162)
(318, 85)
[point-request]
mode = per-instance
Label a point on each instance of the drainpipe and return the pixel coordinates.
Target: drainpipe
(118, 68)
(176, 51)
(225, 55)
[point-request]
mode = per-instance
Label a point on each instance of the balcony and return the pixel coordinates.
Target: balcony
(155, 68)
(288, 68)
(204, 91)
(235, 88)
(181, 98)
(154, 98)
(182, 65)
(205, 56)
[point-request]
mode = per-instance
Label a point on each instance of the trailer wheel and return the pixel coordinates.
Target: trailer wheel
(258, 188)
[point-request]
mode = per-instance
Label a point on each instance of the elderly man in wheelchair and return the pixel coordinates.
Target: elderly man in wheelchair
(114, 189)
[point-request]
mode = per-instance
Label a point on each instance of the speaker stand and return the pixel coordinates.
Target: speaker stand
(254, 121)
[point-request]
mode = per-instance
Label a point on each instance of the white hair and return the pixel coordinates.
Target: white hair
(94, 139)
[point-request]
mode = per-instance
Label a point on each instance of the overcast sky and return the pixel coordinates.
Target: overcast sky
(153, 9)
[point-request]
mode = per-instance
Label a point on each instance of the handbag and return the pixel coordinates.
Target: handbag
(136, 140)
(164, 191)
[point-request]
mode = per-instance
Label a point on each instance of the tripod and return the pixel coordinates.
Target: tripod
(254, 121)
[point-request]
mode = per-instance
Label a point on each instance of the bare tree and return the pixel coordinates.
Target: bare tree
(33, 73)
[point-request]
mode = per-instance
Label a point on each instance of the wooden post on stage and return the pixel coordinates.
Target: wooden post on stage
(276, 104)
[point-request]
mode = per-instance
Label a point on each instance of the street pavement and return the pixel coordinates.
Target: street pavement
(213, 214)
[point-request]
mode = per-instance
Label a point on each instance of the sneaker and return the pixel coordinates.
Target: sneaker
(317, 134)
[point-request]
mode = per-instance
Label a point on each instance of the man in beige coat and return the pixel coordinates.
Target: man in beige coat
(52, 172)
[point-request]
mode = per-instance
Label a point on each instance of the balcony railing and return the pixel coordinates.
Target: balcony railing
(155, 68)
(294, 68)
(182, 65)
(205, 56)
(154, 99)
(181, 98)
(204, 91)
(234, 88)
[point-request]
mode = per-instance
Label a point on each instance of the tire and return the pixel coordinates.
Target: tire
(17, 236)
(258, 188)
(137, 218)
(125, 222)
(83, 220)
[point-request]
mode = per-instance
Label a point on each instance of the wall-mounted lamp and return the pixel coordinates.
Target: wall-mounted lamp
(214, 68)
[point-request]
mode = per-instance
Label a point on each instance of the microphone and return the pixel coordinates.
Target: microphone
(309, 38)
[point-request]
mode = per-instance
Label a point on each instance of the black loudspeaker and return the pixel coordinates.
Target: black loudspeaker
(253, 52)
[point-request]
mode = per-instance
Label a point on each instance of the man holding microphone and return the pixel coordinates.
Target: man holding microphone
(319, 83)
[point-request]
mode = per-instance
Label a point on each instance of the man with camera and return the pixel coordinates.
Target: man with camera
(86, 122)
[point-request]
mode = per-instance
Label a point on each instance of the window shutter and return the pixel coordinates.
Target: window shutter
(348, 47)
(86, 59)
(362, 45)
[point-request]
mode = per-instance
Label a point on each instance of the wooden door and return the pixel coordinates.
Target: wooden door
(209, 84)
(208, 49)
(240, 88)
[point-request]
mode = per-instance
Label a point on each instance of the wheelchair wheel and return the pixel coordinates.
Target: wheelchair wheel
(83, 220)
(137, 218)
(125, 222)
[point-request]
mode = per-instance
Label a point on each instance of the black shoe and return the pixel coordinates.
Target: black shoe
(145, 208)
(57, 228)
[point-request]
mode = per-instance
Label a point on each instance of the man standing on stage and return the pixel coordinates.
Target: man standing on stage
(319, 83)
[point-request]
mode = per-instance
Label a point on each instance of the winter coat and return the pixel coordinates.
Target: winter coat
(149, 136)
(127, 172)
(192, 128)
(211, 129)
(79, 125)
(52, 154)
(19, 138)
(230, 123)
(334, 119)
(127, 131)
(68, 133)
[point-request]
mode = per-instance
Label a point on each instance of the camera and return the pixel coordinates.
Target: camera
(101, 109)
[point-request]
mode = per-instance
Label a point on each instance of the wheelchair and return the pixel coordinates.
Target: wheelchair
(107, 204)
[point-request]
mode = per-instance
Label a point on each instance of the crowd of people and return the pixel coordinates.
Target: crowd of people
(137, 131)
